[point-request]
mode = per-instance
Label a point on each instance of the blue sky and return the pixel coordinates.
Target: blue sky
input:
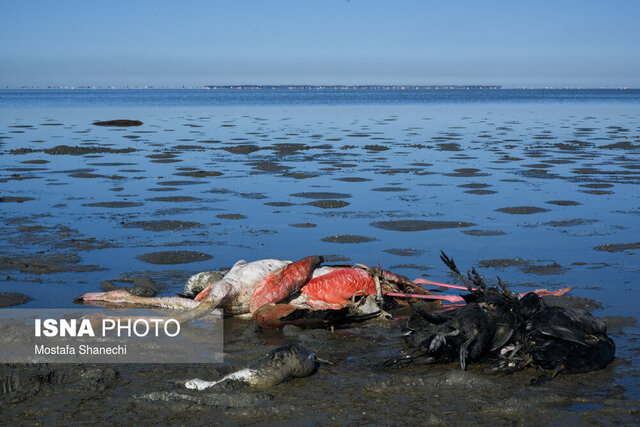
(193, 43)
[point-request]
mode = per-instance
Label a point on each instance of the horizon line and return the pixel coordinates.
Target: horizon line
(408, 87)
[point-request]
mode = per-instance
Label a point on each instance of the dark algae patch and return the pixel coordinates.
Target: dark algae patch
(522, 210)
(481, 192)
(353, 179)
(279, 204)
(173, 257)
(303, 225)
(502, 262)
(174, 199)
(563, 202)
(179, 183)
(163, 225)
(526, 266)
(46, 264)
(300, 175)
(329, 204)
(143, 286)
(466, 173)
(484, 233)
(14, 199)
(389, 189)
(404, 252)
(347, 238)
(242, 149)
(199, 174)
(74, 150)
(8, 299)
(553, 268)
(419, 225)
(115, 204)
(617, 247)
(231, 216)
(118, 123)
(321, 195)
(375, 147)
(570, 222)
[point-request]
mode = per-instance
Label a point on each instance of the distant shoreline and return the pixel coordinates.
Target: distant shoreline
(356, 87)
(318, 87)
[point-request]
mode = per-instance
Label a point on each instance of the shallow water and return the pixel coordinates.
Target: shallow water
(548, 177)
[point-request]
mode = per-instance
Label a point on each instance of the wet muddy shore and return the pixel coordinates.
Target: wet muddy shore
(543, 195)
(356, 389)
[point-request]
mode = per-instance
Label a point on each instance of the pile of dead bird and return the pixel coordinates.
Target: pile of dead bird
(512, 331)
(487, 324)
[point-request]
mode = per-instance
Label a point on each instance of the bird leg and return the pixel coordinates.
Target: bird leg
(464, 350)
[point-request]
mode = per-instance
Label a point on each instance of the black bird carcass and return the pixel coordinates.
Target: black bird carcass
(557, 340)
(496, 323)
(483, 325)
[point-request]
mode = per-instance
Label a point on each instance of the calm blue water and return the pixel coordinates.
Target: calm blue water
(87, 98)
(415, 155)
(278, 173)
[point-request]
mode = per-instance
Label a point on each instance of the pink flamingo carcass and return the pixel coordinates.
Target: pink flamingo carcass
(271, 290)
